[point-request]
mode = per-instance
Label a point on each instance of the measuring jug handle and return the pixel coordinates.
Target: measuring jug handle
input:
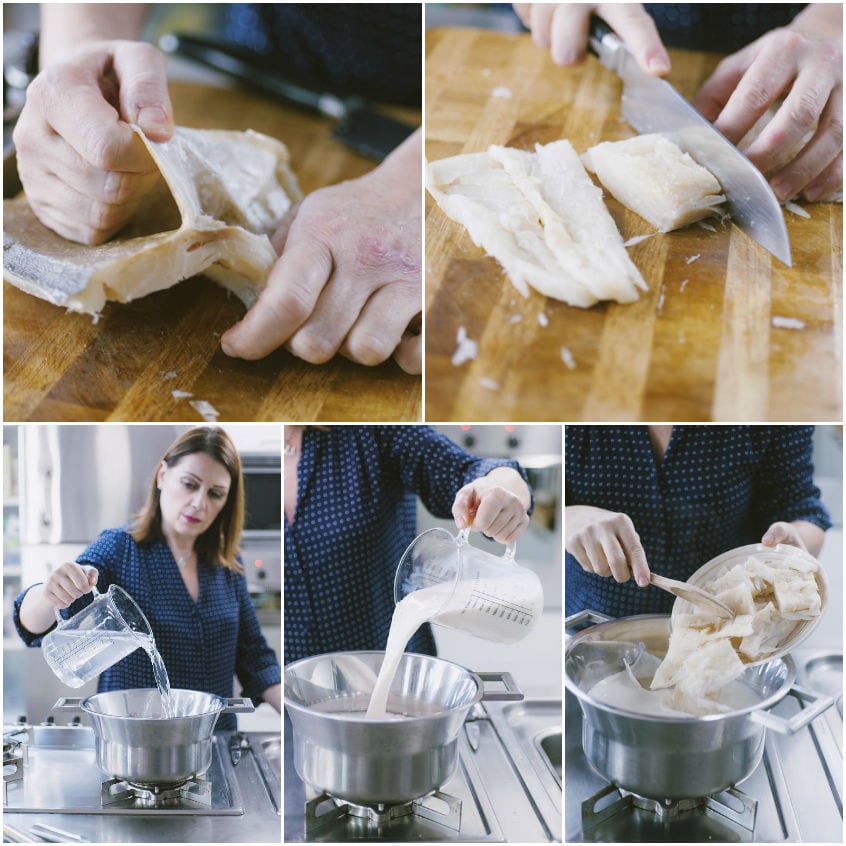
(510, 548)
(60, 619)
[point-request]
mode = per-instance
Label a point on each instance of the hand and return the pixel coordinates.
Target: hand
(84, 170)
(807, 70)
(563, 27)
(349, 278)
(68, 582)
(785, 533)
(490, 508)
(606, 543)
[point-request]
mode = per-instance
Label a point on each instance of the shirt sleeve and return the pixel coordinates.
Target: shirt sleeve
(434, 468)
(784, 483)
(256, 664)
(99, 554)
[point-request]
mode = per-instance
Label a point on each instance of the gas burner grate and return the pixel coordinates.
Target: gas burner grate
(325, 811)
(15, 756)
(731, 813)
(194, 792)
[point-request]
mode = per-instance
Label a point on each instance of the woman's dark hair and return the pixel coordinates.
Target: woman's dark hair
(219, 543)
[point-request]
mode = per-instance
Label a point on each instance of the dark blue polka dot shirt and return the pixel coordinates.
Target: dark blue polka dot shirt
(716, 488)
(354, 518)
(203, 644)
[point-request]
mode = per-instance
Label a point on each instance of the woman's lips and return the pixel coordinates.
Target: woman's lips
(190, 519)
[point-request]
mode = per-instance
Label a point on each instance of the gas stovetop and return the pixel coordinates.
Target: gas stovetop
(59, 784)
(795, 794)
(507, 788)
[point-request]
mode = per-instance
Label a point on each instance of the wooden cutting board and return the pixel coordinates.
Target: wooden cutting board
(60, 366)
(700, 345)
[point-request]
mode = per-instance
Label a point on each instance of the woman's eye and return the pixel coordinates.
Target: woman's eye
(189, 484)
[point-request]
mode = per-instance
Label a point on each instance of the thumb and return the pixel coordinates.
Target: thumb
(636, 28)
(143, 96)
(464, 507)
(92, 574)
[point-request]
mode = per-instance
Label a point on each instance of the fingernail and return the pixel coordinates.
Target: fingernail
(812, 194)
(782, 187)
(658, 64)
(153, 118)
(565, 56)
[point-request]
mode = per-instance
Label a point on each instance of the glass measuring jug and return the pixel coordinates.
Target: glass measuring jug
(99, 635)
(469, 589)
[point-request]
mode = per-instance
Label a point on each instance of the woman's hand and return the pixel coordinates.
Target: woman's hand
(563, 29)
(605, 543)
(799, 533)
(349, 276)
(68, 582)
(495, 504)
(804, 64)
(84, 170)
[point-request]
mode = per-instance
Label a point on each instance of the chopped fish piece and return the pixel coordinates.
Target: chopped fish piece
(797, 209)
(635, 240)
(206, 410)
(222, 195)
(501, 91)
(788, 323)
(692, 259)
(181, 394)
(653, 177)
(488, 383)
(567, 358)
(543, 320)
(466, 350)
(540, 216)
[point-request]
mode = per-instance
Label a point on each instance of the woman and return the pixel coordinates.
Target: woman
(350, 513)
(670, 498)
(179, 562)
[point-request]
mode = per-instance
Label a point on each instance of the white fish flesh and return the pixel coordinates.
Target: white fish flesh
(223, 194)
(651, 176)
(542, 218)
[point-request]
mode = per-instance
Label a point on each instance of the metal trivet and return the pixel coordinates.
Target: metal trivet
(196, 791)
(378, 816)
(735, 810)
(15, 756)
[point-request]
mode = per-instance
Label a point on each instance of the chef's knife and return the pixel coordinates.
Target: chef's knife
(359, 127)
(653, 105)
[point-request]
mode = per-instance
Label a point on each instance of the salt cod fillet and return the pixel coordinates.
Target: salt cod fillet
(540, 216)
(223, 194)
(650, 175)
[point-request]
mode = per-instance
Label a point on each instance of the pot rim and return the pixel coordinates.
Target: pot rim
(216, 701)
(357, 717)
(584, 696)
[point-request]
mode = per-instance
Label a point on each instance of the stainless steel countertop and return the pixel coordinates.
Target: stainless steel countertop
(259, 823)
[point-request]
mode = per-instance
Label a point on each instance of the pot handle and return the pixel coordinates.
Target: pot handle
(819, 702)
(512, 693)
(585, 616)
(68, 703)
(238, 706)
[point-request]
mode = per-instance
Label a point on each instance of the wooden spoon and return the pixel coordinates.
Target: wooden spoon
(691, 593)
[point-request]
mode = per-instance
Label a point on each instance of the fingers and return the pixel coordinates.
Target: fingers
(67, 583)
(464, 506)
(569, 33)
(637, 30)
(818, 169)
(380, 326)
(540, 23)
(611, 547)
(143, 93)
(781, 533)
(409, 354)
(294, 285)
(493, 510)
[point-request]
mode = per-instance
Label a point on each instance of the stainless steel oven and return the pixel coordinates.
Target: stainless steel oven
(261, 541)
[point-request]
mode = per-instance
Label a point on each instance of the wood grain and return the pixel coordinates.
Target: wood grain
(700, 345)
(60, 366)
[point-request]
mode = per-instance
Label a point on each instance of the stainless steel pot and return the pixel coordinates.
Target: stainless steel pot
(136, 743)
(339, 751)
(674, 757)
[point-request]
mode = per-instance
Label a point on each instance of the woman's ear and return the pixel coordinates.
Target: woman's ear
(160, 473)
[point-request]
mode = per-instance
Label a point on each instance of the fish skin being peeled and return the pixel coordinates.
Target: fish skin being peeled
(650, 175)
(224, 193)
(542, 218)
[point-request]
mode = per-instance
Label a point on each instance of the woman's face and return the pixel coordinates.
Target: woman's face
(193, 493)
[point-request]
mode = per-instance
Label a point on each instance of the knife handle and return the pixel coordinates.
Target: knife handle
(604, 43)
(228, 59)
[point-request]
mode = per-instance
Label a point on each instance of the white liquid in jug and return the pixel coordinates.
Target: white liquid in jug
(500, 609)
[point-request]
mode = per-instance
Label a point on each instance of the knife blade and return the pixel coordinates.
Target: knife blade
(359, 127)
(650, 104)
